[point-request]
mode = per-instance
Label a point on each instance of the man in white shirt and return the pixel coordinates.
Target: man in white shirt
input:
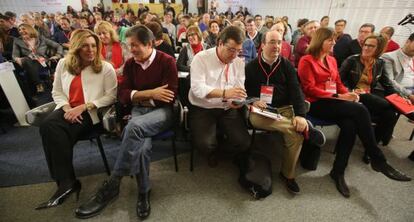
(217, 79)
(399, 66)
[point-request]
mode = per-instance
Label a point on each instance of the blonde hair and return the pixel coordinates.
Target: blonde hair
(73, 61)
(315, 46)
(106, 26)
(29, 29)
(196, 30)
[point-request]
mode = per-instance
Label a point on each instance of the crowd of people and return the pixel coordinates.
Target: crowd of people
(103, 56)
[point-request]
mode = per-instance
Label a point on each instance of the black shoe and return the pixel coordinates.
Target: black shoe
(61, 195)
(366, 159)
(315, 136)
(143, 205)
(291, 184)
(107, 193)
(411, 156)
(340, 184)
(389, 171)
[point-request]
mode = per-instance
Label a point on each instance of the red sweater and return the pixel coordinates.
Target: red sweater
(392, 46)
(161, 71)
(314, 75)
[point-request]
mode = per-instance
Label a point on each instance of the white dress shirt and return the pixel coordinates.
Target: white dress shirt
(208, 73)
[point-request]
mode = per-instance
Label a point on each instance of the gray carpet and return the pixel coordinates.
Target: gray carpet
(213, 194)
(22, 159)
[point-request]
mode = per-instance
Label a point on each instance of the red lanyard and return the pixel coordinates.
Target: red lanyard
(226, 73)
(272, 72)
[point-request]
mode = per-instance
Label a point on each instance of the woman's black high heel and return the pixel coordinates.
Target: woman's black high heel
(60, 196)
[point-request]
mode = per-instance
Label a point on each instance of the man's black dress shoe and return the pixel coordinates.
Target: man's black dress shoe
(388, 170)
(107, 193)
(143, 205)
(61, 195)
(340, 184)
(316, 136)
(291, 184)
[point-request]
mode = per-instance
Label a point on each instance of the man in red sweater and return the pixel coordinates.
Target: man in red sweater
(150, 85)
(388, 32)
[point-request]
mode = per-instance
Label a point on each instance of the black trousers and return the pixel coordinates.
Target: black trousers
(204, 124)
(384, 116)
(32, 69)
(59, 137)
(185, 7)
(353, 119)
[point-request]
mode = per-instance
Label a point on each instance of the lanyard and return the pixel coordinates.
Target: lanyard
(272, 72)
(226, 73)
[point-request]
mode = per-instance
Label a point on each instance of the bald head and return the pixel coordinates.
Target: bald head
(387, 32)
(271, 44)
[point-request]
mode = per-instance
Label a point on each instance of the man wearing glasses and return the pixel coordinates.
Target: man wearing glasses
(355, 46)
(274, 79)
(217, 79)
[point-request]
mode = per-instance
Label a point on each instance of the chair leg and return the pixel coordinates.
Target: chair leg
(101, 150)
(412, 135)
(175, 153)
(191, 158)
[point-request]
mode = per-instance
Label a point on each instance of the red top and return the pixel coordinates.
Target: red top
(313, 77)
(76, 92)
(286, 52)
(392, 46)
(197, 48)
(300, 48)
(116, 58)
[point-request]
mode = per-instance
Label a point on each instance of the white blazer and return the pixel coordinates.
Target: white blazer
(98, 88)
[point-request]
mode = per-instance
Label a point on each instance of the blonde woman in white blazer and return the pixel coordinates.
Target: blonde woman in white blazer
(83, 83)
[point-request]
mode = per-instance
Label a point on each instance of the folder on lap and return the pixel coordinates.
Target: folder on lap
(400, 103)
(265, 113)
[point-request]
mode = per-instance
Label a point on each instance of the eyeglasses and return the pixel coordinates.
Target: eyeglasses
(233, 50)
(191, 34)
(369, 46)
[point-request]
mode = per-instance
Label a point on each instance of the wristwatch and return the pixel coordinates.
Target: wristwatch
(89, 106)
(335, 95)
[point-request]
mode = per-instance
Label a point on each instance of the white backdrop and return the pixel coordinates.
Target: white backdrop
(356, 12)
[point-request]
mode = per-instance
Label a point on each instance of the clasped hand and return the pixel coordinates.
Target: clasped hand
(74, 115)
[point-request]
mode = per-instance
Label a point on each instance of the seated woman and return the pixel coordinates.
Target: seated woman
(331, 101)
(188, 52)
(30, 52)
(361, 74)
(112, 51)
(213, 31)
(83, 83)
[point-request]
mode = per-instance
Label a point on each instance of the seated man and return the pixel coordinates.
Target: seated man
(217, 78)
(150, 85)
(273, 78)
(399, 66)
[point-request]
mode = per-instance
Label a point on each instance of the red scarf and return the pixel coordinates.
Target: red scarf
(197, 48)
(116, 54)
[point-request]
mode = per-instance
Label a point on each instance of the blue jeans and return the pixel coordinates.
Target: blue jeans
(134, 155)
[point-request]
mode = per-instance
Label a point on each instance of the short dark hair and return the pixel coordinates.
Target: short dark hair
(156, 29)
(381, 44)
(249, 20)
(324, 17)
(389, 30)
(411, 37)
(340, 20)
(10, 14)
(369, 25)
(258, 16)
(231, 32)
(303, 21)
(142, 33)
